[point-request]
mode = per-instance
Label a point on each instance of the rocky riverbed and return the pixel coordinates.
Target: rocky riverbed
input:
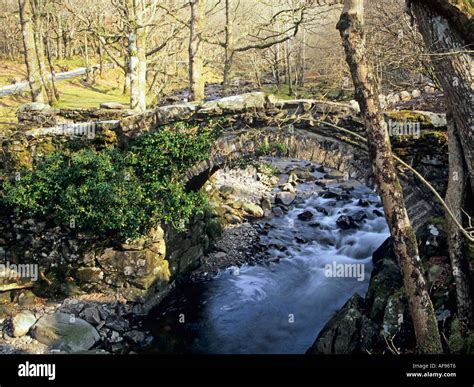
(262, 288)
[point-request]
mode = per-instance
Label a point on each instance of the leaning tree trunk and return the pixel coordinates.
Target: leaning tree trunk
(196, 79)
(31, 59)
(388, 186)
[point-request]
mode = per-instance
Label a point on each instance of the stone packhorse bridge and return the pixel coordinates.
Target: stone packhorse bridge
(254, 119)
(141, 272)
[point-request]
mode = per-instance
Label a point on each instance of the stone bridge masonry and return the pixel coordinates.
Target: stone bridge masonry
(255, 119)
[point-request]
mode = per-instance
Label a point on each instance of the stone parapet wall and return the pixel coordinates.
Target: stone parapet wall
(36, 115)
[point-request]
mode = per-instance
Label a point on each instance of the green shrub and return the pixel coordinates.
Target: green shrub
(263, 150)
(277, 148)
(115, 191)
(267, 169)
(281, 149)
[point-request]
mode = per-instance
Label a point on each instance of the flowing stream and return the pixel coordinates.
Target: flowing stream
(279, 307)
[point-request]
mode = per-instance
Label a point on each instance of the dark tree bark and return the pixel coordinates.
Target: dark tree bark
(448, 34)
(455, 199)
(351, 26)
(445, 32)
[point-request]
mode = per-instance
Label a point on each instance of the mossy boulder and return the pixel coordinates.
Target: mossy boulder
(213, 228)
(341, 335)
(65, 332)
(384, 281)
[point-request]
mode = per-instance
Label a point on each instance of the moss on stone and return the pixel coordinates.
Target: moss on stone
(45, 147)
(409, 115)
(213, 228)
(108, 136)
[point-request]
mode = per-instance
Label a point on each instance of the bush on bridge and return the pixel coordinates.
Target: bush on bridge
(117, 191)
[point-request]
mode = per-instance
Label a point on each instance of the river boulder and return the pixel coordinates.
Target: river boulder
(285, 198)
(65, 332)
(305, 216)
(253, 210)
(22, 323)
(345, 222)
(341, 335)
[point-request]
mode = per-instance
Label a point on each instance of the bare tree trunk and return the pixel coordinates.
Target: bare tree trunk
(66, 46)
(133, 62)
(303, 60)
(229, 53)
(137, 55)
(101, 59)
(443, 33)
(142, 70)
(196, 79)
(388, 186)
(126, 79)
(258, 78)
(289, 74)
(455, 199)
(39, 48)
(59, 40)
(31, 59)
(50, 60)
(277, 67)
(89, 78)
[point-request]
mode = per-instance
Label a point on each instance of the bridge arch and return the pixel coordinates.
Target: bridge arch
(311, 144)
